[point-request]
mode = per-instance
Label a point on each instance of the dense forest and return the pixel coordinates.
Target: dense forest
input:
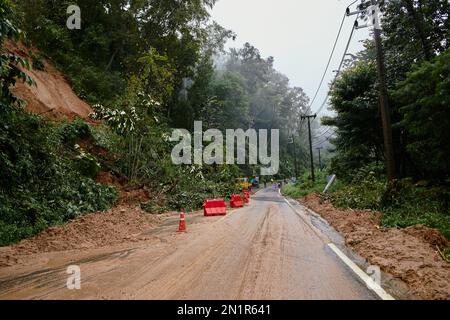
(148, 66)
(145, 67)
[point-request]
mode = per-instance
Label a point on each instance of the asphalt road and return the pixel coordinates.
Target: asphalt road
(263, 251)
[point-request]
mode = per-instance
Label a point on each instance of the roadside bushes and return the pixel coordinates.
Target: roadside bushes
(410, 203)
(40, 182)
(366, 191)
(188, 186)
(305, 185)
(403, 202)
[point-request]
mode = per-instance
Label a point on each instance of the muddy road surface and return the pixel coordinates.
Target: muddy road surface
(263, 251)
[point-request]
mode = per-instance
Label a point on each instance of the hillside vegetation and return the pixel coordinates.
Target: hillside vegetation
(144, 67)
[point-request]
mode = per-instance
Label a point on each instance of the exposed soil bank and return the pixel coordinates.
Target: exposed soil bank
(410, 254)
(52, 95)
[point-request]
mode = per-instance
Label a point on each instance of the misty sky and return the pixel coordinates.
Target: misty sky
(298, 33)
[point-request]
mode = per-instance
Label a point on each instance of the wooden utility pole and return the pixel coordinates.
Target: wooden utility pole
(384, 101)
(310, 143)
(295, 157)
(320, 158)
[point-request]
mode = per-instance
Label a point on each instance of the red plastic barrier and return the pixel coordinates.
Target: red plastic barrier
(236, 201)
(246, 196)
(214, 207)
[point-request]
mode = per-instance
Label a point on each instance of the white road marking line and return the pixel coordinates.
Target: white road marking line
(361, 274)
(372, 285)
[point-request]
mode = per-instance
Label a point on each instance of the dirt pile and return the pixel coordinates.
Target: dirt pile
(410, 254)
(52, 95)
(116, 226)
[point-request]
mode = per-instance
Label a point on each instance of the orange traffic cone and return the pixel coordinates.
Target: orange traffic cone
(182, 227)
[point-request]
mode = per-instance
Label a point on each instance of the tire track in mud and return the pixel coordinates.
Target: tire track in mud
(223, 249)
(259, 273)
(185, 275)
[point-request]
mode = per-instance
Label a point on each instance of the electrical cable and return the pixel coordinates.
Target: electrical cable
(331, 54)
(340, 66)
(329, 61)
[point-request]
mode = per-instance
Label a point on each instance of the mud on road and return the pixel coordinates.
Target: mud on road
(263, 251)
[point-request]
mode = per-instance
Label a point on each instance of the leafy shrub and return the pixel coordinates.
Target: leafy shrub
(72, 132)
(402, 203)
(365, 192)
(408, 204)
(305, 186)
(86, 163)
(105, 137)
(411, 215)
(39, 185)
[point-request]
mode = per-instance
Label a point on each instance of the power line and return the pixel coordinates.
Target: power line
(329, 60)
(340, 66)
(331, 54)
(324, 133)
(323, 141)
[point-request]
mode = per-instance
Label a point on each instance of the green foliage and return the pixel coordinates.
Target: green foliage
(359, 140)
(425, 99)
(416, 43)
(105, 137)
(113, 40)
(9, 63)
(147, 66)
(71, 132)
(86, 163)
(409, 203)
(366, 191)
(187, 187)
(305, 185)
(40, 186)
(40, 181)
(414, 31)
(413, 214)
(447, 253)
(402, 203)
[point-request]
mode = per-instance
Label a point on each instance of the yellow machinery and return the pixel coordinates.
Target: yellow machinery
(243, 183)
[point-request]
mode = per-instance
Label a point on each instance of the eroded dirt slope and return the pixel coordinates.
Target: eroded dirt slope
(52, 95)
